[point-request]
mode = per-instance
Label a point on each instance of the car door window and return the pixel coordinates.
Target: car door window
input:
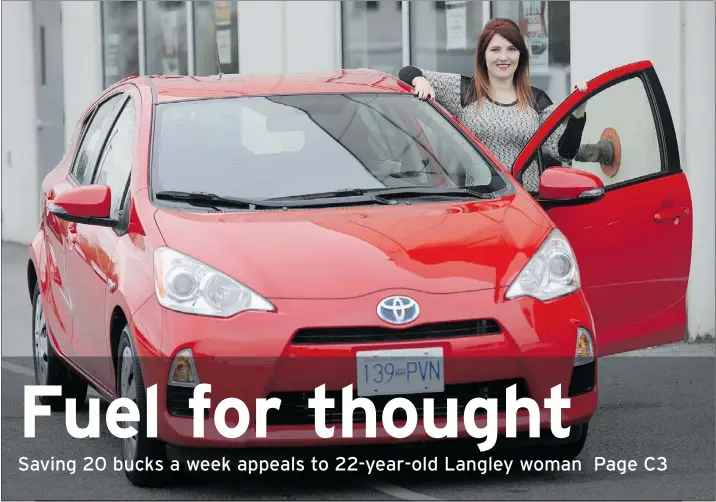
(115, 164)
(620, 143)
(83, 166)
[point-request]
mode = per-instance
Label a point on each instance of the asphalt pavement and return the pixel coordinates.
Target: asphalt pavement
(656, 403)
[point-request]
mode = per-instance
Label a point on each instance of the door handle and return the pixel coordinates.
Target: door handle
(72, 233)
(670, 214)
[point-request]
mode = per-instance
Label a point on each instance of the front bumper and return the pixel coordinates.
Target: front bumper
(253, 356)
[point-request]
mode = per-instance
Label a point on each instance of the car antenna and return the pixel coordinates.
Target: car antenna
(218, 60)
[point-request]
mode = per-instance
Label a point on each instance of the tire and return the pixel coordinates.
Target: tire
(49, 368)
(138, 448)
(562, 451)
(569, 451)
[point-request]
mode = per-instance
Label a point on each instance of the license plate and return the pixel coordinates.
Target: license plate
(400, 371)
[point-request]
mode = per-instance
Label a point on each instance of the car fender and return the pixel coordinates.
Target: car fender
(37, 263)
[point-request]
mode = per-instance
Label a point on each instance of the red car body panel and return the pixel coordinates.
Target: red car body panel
(559, 183)
(455, 258)
(94, 200)
(637, 298)
(416, 248)
(537, 345)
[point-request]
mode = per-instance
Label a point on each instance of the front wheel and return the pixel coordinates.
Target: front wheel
(145, 459)
(570, 451)
(562, 451)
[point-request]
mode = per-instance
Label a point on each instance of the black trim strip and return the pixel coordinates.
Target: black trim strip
(664, 122)
(375, 334)
(62, 214)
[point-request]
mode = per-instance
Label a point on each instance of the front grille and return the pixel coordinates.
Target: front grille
(372, 334)
(294, 408)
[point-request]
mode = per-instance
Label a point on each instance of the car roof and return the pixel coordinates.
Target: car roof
(167, 88)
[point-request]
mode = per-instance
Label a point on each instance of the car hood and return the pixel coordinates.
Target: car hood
(349, 252)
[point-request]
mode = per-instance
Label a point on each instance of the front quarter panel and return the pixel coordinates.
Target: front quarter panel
(133, 273)
(37, 265)
(133, 256)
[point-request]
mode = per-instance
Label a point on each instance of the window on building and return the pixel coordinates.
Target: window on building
(120, 41)
(166, 40)
(216, 37)
(443, 35)
(545, 25)
(373, 35)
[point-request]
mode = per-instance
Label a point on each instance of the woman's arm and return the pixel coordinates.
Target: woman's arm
(446, 85)
(564, 142)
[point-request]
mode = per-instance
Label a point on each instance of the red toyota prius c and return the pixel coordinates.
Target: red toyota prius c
(269, 235)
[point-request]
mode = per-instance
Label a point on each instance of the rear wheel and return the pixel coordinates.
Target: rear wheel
(145, 459)
(50, 369)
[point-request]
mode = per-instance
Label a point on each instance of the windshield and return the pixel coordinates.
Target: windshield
(283, 146)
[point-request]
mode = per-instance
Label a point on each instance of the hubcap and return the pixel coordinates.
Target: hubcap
(128, 390)
(40, 341)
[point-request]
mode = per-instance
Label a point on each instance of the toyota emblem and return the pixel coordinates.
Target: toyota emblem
(398, 310)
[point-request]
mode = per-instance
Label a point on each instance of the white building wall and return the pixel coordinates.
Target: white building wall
(20, 207)
(699, 158)
(311, 35)
(81, 30)
(288, 37)
(262, 40)
(654, 33)
(673, 36)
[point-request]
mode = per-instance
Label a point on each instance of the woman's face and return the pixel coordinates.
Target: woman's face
(501, 58)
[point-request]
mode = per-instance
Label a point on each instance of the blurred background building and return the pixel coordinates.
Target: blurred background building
(58, 56)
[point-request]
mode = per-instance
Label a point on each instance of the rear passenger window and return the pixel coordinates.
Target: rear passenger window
(115, 164)
(83, 166)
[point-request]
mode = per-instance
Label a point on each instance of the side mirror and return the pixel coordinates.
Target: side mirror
(567, 186)
(86, 204)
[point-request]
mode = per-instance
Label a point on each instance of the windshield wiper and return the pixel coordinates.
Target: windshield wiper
(348, 192)
(396, 193)
(324, 199)
(214, 200)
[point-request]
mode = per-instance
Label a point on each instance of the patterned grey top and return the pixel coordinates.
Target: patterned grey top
(504, 128)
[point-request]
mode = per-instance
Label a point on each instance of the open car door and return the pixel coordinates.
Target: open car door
(633, 239)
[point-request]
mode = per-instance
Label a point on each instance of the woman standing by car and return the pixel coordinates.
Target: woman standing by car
(498, 104)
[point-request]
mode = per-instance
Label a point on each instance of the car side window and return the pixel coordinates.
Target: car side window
(620, 143)
(115, 163)
(83, 167)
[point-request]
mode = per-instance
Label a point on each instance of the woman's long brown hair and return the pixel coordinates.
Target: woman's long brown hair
(509, 30)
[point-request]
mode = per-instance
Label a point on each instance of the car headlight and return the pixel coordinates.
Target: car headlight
(552, 272)
(187, 285)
